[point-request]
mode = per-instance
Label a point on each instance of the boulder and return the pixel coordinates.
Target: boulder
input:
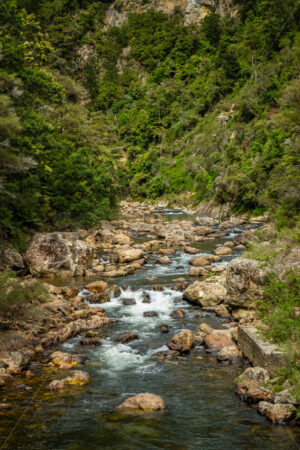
(222, 251)
(191, 250)
(164, 328)
(205, 293)
(14, 362)
(178, 314)
(166, 251)
(181, 349)
(222, 311)
(185, 338)
(98, 287)
(144, 402)
(66, 360)
(204, 260)
(244, 315)
(128, 301)
(58, 254)
(218, 339)
(254, 386)
(10, 258)
(198, 272)
(245, 238)
(277, 413)
(286, 396)
(164, 260)
(229, 354)
(204, 328)
(243, 283)
(91, 342)
(199, 337)
(56, 385)
(150, 314)
(127, 337)
(77, 377)
(127, 255)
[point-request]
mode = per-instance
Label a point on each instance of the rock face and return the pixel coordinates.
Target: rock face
(205, 293)
(277, 413)
(193, 11)
(243, 283)
(58, 254)
(144, 402)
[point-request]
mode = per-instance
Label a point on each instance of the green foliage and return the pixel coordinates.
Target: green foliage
(17, 296)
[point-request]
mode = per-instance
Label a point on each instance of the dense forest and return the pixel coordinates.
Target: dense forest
(152, 108)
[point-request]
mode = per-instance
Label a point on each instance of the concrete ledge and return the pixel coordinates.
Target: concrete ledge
(259, 352)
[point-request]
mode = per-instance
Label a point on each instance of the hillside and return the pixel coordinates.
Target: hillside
(101, 100)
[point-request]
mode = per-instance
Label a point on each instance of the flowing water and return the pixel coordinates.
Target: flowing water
(203, 412)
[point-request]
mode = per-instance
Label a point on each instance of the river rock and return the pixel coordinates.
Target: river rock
(14, 362)
(164, 260)
(166, 251)
(204, 328)
(222, 251)
(10, 258)
(58, 254)
(178, 314)
(146, 298)
(129, 254)
(205, 293)
(198, 272)
(243, 283)
(254, 385)
(277, 413)
(91, 342)
(97, 287)
(244, 238)
(229, 354)
(77, 377)
(127, 337)
(185, 338)
(199, 337)
(164, 328)
(204, 260)
(218, 339)
(150, 314)
(191, 250)
(128, 301)
(181, 349)
(56, 385)
(244, 315)
(144, 402)
(66, 360)
(222, 311)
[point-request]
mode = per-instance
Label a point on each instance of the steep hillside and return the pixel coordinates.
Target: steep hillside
(148, 99)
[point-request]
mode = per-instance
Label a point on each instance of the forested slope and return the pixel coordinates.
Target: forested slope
(151, 108)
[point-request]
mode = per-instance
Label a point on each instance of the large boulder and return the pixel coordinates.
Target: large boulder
(77, 377)
(144, 402)
(58, 254)
(14, 362)
(244, 279)
(223, 250)
(205, 293)
(245, 238)
(126, 255)
(254, 385)
(277, 413)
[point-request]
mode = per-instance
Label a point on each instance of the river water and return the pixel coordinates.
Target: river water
(203, 411)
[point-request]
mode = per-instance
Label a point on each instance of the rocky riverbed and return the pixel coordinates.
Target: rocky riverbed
(150, 303)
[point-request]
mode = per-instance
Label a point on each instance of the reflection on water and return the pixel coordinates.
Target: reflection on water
(203, 412)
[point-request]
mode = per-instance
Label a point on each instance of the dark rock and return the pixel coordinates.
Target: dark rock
(126, 338)
(146, 299)
(150, 314)
(182, 349)
(128, 301)
(164, 328)
(178, 314)
(91, 341)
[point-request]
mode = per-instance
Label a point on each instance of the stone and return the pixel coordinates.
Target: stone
(244, 315)
(97, 287)
(91, 342)
(56, 385)
(144, 402)
(129, 254)
(128, 301)
(127, 337)
(222, 311)
(184, 338)
(191, 250)
(164, 328)
(254, 386)
(10, 258)
(178, 314)
(14, 362)
(218, 339)
(286, 396)
(243, 283)
(146, 299)
(66, 360)
(181, 349)
(205, 328)
(150, 314)
(205, 293)
(222, 251)
(204, 260)
(77, 377)
(98, 298)
(277, 413)
(58, 254)
(229, 354)
(198, 272)
(199, 337)
(166, 251)
(164, 260)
